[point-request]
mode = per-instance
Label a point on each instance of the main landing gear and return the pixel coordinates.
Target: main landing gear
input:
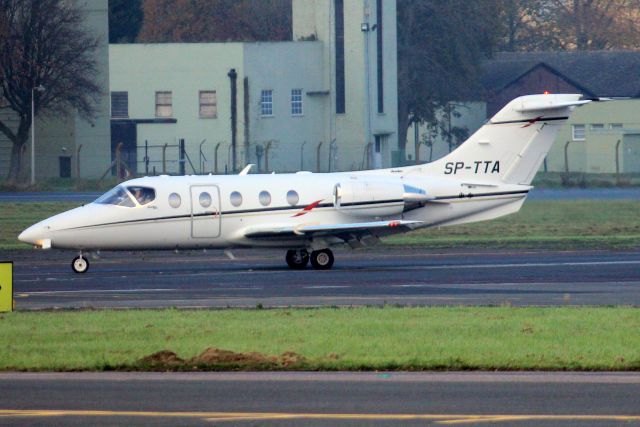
(80, 264)
(320, 260)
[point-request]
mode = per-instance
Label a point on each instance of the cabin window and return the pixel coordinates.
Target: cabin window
(292, 197)
(577, 132)
(143, 195)
(265, 198)
(205, 199)
(235, 198)
(175, 200)
(116, 196)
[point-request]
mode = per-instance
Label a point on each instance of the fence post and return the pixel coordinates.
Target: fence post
(566, 156)
(365, 156)
(618, 161)
(266, 156)
(164, 158)
(215, 158)
(333, 148)
(181, 156)
(202, 156)
(318, 157)
(146, 157)
(118, 148)
(78, 165)
(302, 156)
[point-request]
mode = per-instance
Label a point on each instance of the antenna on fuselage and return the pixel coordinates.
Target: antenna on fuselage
(246, 169)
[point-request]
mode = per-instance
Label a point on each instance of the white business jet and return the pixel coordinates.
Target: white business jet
(488, 176)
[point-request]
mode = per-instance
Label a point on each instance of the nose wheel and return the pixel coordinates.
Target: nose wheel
(80, 264)
(322, 259)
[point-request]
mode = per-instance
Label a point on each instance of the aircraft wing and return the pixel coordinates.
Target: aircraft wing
(346, 232)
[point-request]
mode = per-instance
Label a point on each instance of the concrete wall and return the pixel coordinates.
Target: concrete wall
(282, 67)
(355, 129)
(184, 69)
(596, 154)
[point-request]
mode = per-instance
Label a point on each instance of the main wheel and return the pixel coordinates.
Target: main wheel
(297, 259)
(322, 259)
(80, 264)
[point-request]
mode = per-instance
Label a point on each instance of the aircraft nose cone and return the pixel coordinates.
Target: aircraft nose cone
(33, 235)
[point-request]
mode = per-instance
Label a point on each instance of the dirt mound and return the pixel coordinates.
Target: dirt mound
(163, 358)
(219, 359)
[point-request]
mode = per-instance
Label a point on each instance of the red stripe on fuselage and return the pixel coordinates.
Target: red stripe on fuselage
(307, 208)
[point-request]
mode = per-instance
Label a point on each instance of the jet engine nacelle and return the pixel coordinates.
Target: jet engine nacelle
(369, 198)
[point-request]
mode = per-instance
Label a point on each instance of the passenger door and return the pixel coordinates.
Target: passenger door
(205, 211)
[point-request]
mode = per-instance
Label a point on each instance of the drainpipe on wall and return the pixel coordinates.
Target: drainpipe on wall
(245, 87)
(233, 77)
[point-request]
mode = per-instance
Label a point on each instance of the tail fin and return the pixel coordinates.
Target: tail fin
(510, 147)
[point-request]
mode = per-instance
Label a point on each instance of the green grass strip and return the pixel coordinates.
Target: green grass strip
(389, 338)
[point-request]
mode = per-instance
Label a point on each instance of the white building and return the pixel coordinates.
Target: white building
(325, 101)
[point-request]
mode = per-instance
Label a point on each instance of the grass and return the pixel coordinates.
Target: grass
(15, 217)
(566, 224)
(436, 338)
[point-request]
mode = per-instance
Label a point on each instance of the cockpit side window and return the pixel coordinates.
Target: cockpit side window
(143, 195)
(116, 196)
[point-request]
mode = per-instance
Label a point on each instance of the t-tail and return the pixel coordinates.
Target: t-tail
(510, 147)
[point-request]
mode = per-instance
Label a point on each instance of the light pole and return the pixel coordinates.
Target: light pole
(38, 88)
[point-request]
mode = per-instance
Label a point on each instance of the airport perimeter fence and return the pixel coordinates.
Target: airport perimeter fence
(183, 157)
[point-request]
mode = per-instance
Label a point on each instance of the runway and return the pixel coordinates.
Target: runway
(386, 275)
(319, 399)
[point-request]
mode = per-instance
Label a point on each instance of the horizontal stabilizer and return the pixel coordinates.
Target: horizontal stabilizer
(542, 105)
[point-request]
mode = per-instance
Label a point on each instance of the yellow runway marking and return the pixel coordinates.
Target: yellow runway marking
(257, 416)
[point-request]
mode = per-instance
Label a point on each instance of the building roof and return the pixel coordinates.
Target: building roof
(598, 73)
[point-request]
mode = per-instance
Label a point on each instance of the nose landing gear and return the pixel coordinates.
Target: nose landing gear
(320, 260)
(80, 264)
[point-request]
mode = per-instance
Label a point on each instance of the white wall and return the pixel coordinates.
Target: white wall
(184, 69)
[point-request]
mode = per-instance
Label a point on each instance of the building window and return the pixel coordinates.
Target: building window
(296, 102)
(208, 104)
(577, 132)
(616, 126)
(379, 56)
(339, 32)
(120, 105)
(597, 126)
(266, 103)
(164, 106)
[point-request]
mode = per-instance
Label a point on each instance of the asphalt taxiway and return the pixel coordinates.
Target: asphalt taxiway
(387, 275)
(320, 399)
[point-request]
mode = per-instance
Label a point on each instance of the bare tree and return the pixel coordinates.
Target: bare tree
(44, 44)
(529, 25)
(215, 20)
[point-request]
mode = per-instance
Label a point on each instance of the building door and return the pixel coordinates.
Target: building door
(125, 132)
(631, 154)
(205, 211)
(65, 166)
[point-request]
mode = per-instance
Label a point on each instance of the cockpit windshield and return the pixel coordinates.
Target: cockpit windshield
(121, 196)
(116, 196)
(143, 195)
